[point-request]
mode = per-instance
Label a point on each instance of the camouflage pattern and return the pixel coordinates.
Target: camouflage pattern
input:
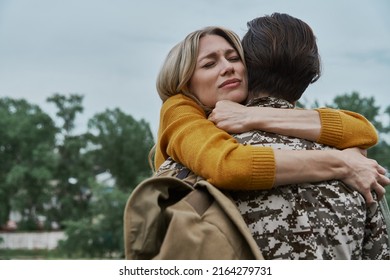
(172, 168)
(326, 220)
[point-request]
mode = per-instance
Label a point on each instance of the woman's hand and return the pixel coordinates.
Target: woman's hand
(231, 116)
(364, 175)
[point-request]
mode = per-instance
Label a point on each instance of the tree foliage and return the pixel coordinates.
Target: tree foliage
(99, 234)
(48, 172)
(121, 147)
(67, 109)
(73, 169)
(27, 142)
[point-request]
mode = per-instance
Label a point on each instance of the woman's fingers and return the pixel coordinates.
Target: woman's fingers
(369, 198)
(379, 190)
(382, 170)
(383, 180)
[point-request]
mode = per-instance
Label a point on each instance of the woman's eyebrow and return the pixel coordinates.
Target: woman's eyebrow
(214, 54)
(207, 56)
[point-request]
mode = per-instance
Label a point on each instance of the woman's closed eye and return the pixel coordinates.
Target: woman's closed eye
(235, 58)
(208, 64)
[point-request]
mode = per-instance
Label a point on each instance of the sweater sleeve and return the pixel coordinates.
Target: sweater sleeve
(345, 129)
(188, 137)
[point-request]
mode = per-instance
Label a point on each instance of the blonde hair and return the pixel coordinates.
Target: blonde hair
(180, 62)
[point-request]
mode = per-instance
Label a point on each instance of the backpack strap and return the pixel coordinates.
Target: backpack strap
(183, 173)
(386, 214)
(200, 200)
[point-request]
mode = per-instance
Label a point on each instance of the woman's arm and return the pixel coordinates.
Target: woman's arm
(350, 166)
(338, 128)
(189, 138)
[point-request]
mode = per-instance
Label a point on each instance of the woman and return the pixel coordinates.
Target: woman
(207, 67)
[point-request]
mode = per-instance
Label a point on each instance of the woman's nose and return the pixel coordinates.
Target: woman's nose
(227, 68)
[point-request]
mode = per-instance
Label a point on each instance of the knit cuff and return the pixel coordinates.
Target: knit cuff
(331, 127)
(264, 168)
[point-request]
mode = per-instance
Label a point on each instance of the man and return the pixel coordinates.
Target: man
(326, 220)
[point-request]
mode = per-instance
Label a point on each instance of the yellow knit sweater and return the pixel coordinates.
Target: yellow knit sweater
(188, 137)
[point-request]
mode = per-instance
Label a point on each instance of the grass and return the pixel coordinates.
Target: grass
(23, 254)
(20, 254)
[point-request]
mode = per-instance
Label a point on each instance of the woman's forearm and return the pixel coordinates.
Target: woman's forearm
(338, 128)
(294, 167)
(304, 124)
(350, 166)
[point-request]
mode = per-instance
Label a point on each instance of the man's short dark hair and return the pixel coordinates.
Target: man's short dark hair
(281, 55)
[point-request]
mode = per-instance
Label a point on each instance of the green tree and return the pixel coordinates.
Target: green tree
(99, 235)
(27, 141)
(122, 145)
(67, 109)
(73, 169)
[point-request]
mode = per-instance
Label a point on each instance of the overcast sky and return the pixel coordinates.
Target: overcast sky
(111, 50)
